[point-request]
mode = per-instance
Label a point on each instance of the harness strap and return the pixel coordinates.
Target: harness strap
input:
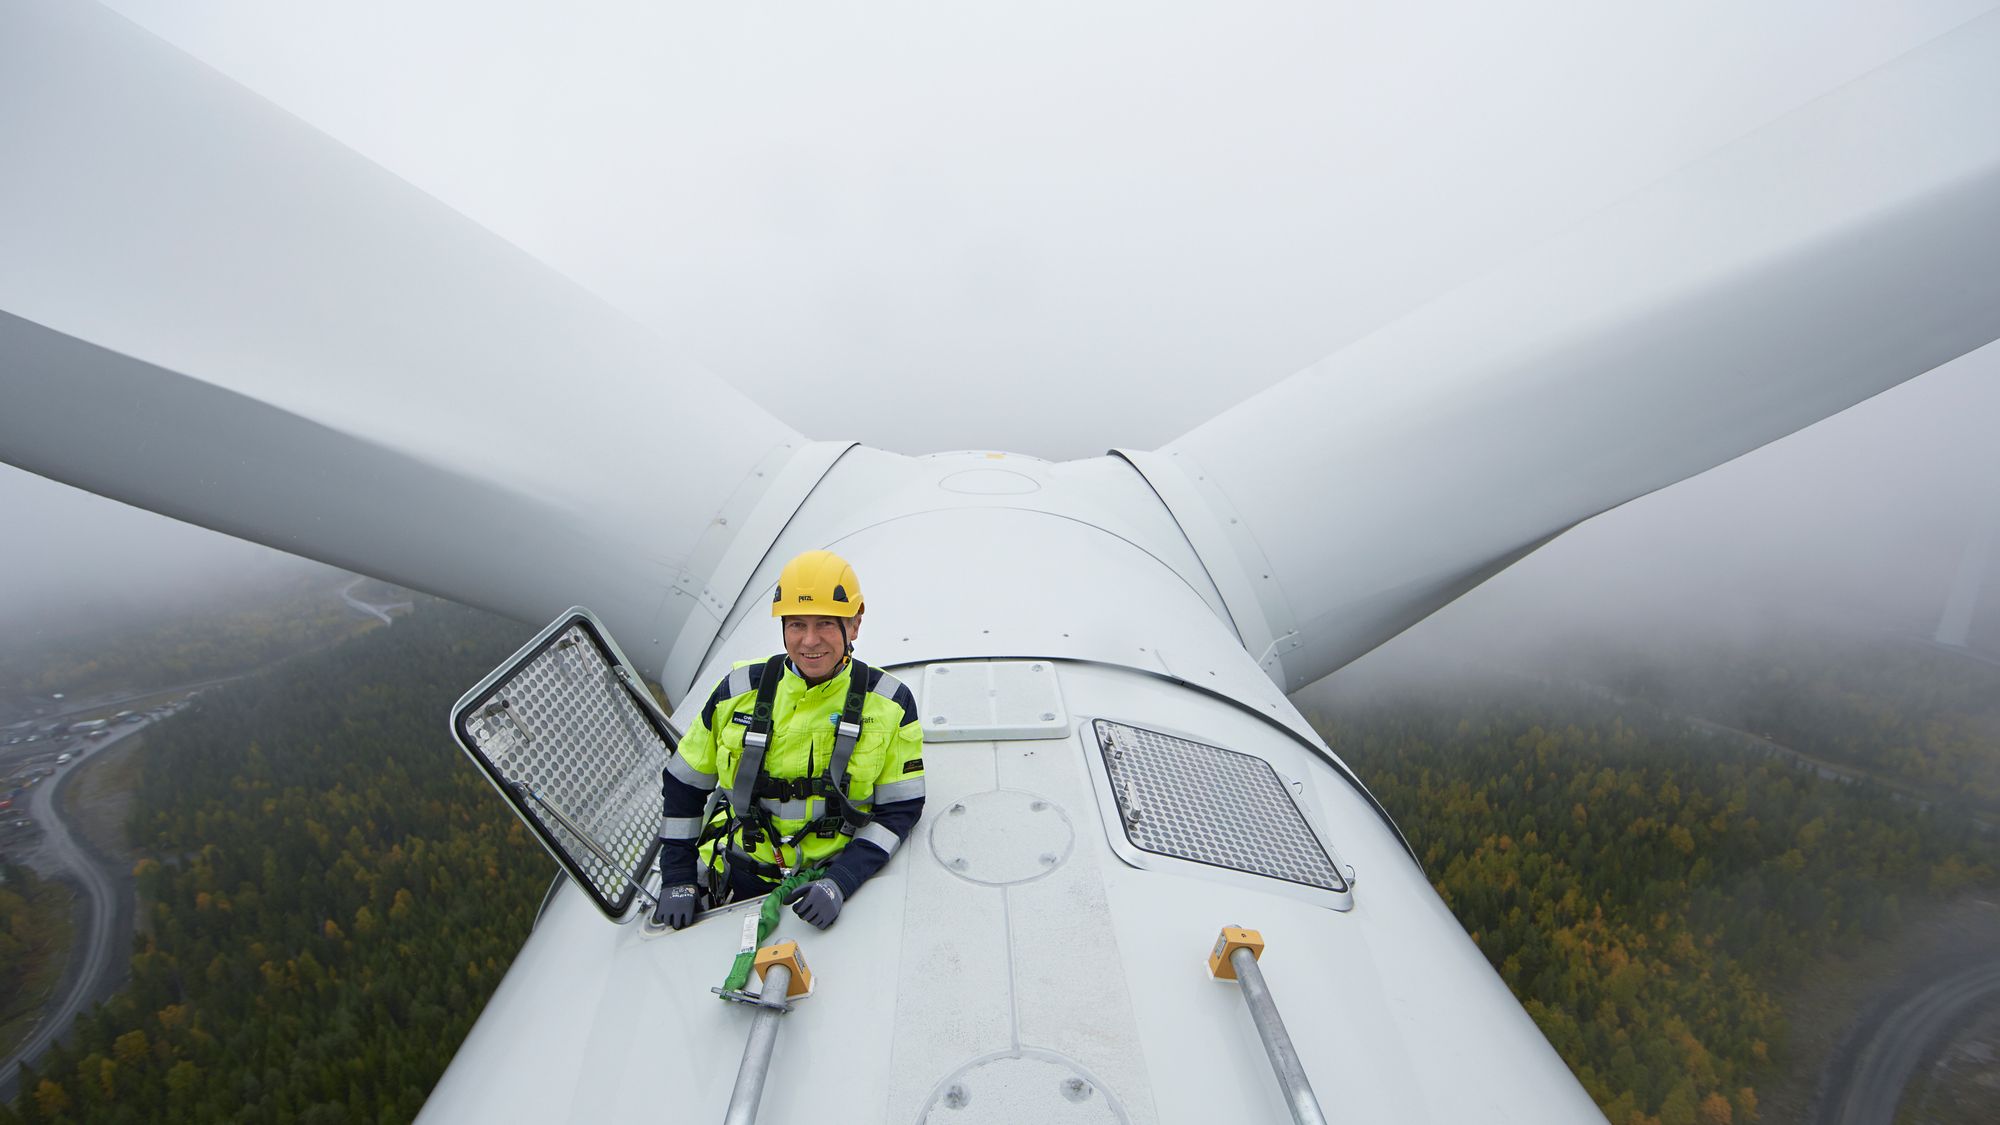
(738, 859)
(756, 740)
(789, 788)
(847, 732)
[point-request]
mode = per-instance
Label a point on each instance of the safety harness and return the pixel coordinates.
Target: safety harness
(747, 823)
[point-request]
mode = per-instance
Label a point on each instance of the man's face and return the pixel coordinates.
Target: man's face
(816, 645)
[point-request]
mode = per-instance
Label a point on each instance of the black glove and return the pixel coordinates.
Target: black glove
(817, 902)
(676, 906)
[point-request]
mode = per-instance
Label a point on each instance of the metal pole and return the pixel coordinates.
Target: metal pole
(1277, 1044)
(771, 1006)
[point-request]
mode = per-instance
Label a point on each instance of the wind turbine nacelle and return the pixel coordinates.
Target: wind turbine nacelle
(1112, 781)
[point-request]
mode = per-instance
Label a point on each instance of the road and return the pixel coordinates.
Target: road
(103, 947)
(105, 703)
(1869, 1080)
(380, 612)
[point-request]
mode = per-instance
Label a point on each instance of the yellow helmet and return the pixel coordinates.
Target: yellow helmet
(819, 583)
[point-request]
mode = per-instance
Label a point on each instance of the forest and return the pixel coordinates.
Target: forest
(1648, 890)
(34, 935)
(329, 894)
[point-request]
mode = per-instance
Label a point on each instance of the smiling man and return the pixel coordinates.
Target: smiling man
(819, 759)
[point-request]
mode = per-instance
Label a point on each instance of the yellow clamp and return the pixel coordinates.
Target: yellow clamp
(786, 953)
(1231, 939)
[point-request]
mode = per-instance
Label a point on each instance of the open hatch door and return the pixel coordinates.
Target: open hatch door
(569, 735)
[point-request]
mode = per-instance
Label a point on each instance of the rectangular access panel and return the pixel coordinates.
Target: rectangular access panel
(1186, 800)
(569, 735)
(993, 700)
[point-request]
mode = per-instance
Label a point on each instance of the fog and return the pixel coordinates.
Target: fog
(1053, 230)
(1857, 526)
(76, 561)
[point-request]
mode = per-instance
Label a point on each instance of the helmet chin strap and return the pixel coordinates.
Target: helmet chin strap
(847, 638)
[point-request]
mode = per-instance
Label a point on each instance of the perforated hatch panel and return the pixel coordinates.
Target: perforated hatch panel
(566, 743)
(1193, 801)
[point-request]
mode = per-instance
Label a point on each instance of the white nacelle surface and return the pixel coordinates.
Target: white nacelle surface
(970, 947)
(1007, 950)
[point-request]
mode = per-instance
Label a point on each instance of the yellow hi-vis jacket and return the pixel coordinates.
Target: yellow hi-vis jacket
(885, 776)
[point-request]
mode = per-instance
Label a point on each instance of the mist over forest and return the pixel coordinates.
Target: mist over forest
(79, 563)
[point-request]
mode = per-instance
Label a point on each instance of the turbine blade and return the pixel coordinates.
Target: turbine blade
(215, 311)
(1844, 248)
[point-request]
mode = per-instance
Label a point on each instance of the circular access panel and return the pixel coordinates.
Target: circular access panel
(1033, 1085)
(1001, 836)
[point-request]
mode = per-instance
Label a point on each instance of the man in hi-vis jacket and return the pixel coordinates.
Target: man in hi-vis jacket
(819, 759)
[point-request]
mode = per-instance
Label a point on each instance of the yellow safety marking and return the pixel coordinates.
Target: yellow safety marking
(1231, 939)
(786, 953)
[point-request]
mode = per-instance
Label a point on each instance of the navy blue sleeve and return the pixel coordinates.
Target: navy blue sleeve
(679, 802)
(687, 782)
(861, 859)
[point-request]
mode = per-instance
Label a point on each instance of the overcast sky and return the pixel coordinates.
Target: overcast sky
(946, 226)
